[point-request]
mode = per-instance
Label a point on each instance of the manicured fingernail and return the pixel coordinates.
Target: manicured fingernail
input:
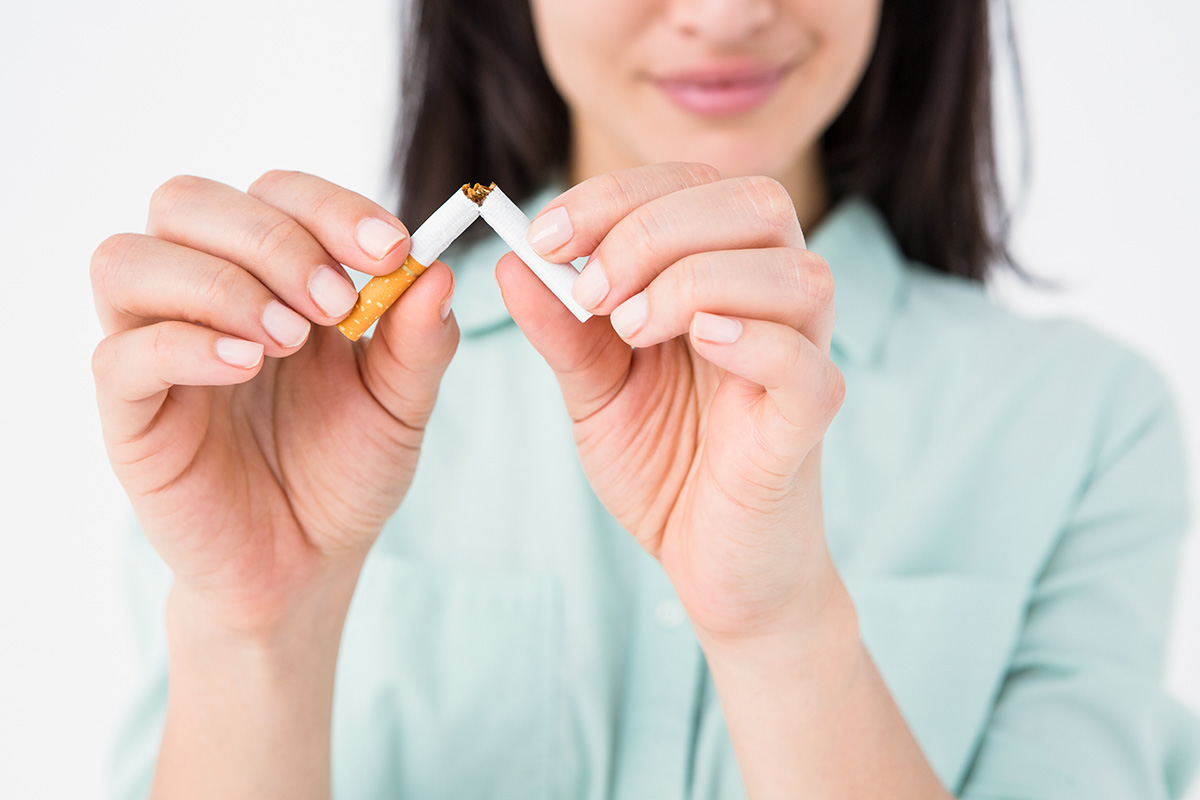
(239, 352)
(591, 287)
(285, 326)
(716, 329)
(629, 317)
(549, 231)
(333, 293)
(444, 310)
(378, 238)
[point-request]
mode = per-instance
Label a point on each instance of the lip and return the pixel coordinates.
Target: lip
(721, 90)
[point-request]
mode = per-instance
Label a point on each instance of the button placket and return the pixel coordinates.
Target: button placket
(669, 614)
(660, 696)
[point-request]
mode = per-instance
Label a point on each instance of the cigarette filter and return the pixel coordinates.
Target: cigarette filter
(512, 224)
(428, 242)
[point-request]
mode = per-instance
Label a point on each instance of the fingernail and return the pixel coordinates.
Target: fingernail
(716, 329)
(333, 293)
(444, 310)
(239, 352)
(377, 238)
(591, 287)
(285, 326)
(549, 231)
(629, 317)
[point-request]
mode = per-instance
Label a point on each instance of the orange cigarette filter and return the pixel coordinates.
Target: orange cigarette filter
(428, 242)
(377, 295)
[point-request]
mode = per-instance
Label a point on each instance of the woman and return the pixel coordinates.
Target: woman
(706, 544)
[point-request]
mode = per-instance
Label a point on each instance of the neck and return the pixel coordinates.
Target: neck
(804, 178)
(806, 183)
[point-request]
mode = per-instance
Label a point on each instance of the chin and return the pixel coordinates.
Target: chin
(734, 156)
(761, 143)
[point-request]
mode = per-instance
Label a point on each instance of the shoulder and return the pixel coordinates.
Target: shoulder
(1056, 360)
(1054, 399)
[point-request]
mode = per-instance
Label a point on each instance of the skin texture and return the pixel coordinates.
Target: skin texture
(704, 441)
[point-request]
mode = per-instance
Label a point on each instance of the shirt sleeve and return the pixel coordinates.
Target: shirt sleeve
(1083, 712)
(135, 749)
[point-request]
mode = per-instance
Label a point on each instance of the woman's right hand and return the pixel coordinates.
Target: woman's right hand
(259, 480)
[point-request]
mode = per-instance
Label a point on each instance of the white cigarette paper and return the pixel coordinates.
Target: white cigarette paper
(437, 233)
(512, 224)
(445, 225)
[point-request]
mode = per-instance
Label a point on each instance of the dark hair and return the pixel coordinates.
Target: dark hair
(915, 139)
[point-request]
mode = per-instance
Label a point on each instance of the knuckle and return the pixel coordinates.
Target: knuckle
(806, 278)
(703, 173)
(216, 285)
(324, 199)
(263, 182)
(615, 191)
(770, 202)
(102, 361)
(819, 279)
(109, 255)
(653, 223)
(791, 275)
(161, 345)
(584, 360)
(268, 234)
(172, 192)
(835, 389)
(797, 356)
(695, 283)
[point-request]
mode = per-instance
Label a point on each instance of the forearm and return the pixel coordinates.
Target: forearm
(810, 716)
(249, 714)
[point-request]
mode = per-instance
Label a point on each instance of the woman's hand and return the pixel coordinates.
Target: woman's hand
(703, 440)
(262, 450)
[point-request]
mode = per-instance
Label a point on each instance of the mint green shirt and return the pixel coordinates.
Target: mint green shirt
(1004, 499)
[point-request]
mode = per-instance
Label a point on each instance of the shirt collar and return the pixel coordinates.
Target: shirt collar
(869, 276)
(867, 265)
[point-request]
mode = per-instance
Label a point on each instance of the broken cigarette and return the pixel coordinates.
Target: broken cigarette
(437, 233)
(512, 225)
(428, 242)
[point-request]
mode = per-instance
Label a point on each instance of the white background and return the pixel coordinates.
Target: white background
(101, 102)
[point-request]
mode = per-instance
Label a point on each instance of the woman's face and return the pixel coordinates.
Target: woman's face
(747, 86)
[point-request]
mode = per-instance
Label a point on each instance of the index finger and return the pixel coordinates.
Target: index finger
(572, 224)
(355, 230)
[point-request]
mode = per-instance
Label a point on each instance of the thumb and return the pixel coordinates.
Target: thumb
(412, 347)
(588, 358)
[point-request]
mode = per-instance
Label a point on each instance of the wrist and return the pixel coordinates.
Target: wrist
(822, 633)
(250, 706)
(818, 606)
(267, 617)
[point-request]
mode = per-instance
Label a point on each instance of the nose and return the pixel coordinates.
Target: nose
(722, 21)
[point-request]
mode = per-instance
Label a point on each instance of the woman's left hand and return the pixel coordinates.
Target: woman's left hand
(703, 439)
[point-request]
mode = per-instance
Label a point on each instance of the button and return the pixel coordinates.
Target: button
(669, 614)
